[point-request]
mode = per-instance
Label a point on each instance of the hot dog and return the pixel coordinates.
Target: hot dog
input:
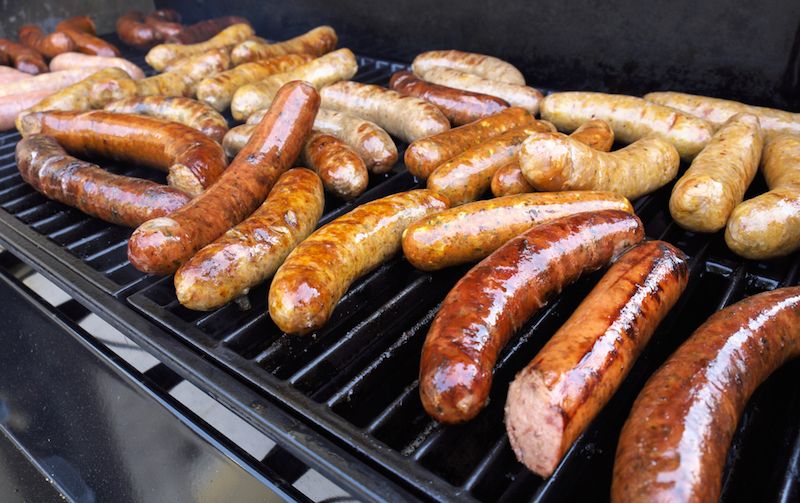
(674, 444)
(487, 67)
(342, 171)
(704, 197)
(184, 111)
(134, 32)
(316, 42)
(166, 22)
(319, 271)
(12, 105)
(494, 299)
(327, 69)
(117, 199)
(161, 245)
(72, 60)
(552, 400)
(204, 30)
(473, 231)
(160, 56)
(90, 44)
(253, 250)
(78, 23)
(24, 58)
(460, 107)
(768, 225)
(49, 45)
(194, 161)
(405, 117)
(52, 82)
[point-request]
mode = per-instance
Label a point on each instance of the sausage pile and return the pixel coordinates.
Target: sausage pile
(241, 206)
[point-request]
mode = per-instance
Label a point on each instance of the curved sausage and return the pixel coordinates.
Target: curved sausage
(160, 56)
(24, 58)
(674, 444)
(319, 271)
(473, 231)
(52, 82)
(161, 245)
(49, 45)
(204, 30)
(166, 22)
(72, 60)
(78, 23)
(316, 42)
(553, 399)
(342, 171)
(183, 78)
(184, 111)
(134, 32)
(704, 197)
(90, 44)
(252, 251)
(487, 67)
(194, 161)
(117, 199)
(497, 296)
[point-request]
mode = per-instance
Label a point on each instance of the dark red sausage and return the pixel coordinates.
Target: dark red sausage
(78, 23)
(90, 44)
(24, 58)
(49, 45)
(166, 22)
(204, 30)
(134, 32)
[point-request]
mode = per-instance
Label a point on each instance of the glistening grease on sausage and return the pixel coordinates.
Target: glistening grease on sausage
(184, 111)
(24, 58)
(49, 45)
(342, 171)
(161, 56)
(134, 32)
(316, 42)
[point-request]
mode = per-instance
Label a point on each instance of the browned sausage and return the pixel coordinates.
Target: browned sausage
(90, 44)
(24, 58)
(497, 296)
(78, 23)
(460, 107)
(674, 444)
(166, 22)
(552, 401)
(204, 30)
(342, 171)
(117, 199)
(193, 160)
(319, 41)
(161, 245)
(49, 45)
(183, 77)
(134, 32)
(163, 55)
(184, 111)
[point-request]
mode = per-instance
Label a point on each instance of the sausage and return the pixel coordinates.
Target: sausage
(553, 161)
(184, 111)
(473, 231)
(49, 45)
(631, 119)
(163, 84)
(182, 78)
(82, 24)
(460, 107)
(515, 94)
(509, 179)
(52, 82)
(424, 155)
(73, 60)
(204, 30)
(704, 197)
(166, 22)
(405, 117)
(327, 69)
(309, 284)
(90, 44)
(467, 176)
(9, 75)
(497, 296)
(768, 225)
(555, 397)
(117, 199)
(717, 111)
(24, 58)
(252, 251)
(160, 56)
(236, 138)
(674, 444)
(5, 59)
(134, 32)
(319, 41)
(161, 245)
(487, 67)
(342, 171)
(217, 90)
(194, 161)
(12, 105)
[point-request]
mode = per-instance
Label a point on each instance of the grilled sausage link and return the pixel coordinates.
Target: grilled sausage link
(704, 197)
(342, 171)
(184, 111)
(425, 155)
(134, 32)
(49, 45)
(322, 71)
(9, 75)
(674, 444)
(182, 78)
(460, 107)
(204, 30)
(252, 251)
(161, 56)
(194, 161)
(319, 271)
(166, 22)
(76, 60)
(487, 67)
(161, 245)
(117, 199)
(497, 296)
(24, 58)
(473, 231)
(319, 41)
(83, 24)
(12, 105)
(553, 161)
(465, 177)
(631, 119)
(552, 400)
(90, 44)
(768, 225)
(52, 82)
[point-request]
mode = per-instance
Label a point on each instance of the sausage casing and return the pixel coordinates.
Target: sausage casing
(342, 171)
(134, 32)
(166, 22)
(161, 56)
(90, 44)
(204, 30)
(49, 45)
(78, 23)
(24, 58)
(488, 67)
(52, 82)
(316, 42)
(75, 60)
(184, 111)
(12, 105)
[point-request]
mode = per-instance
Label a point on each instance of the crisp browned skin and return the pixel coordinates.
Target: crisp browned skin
(76, 60)
(488, 67)
(134, 32)
(204, 30)
(218, 90)
(552, 401)
(90, 44)
(194, 69)
(497, 296)
(704, 197)
(166, 22)
(12, 105)
(160, 56)
(595, 133)
(674, 444)
(184, 111)
(460, 107)
(49, 45)
(24, 58)
(117, 199)
(194, 161)
(52, 82)
(342, 171)
(78, 23)
(252, 251)
(316, 42)
(768, 226)
(425, 155)
(473, 231)
(465, 177)
(319, 271)
(161, 245)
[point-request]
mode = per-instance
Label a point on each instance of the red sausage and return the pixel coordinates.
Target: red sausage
(134, 32)
(166, 22)
(204, 30)
(24, 58)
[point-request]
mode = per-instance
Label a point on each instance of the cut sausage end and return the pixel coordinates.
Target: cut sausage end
(182, 178)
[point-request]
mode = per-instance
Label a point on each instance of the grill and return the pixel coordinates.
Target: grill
(345, 399)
